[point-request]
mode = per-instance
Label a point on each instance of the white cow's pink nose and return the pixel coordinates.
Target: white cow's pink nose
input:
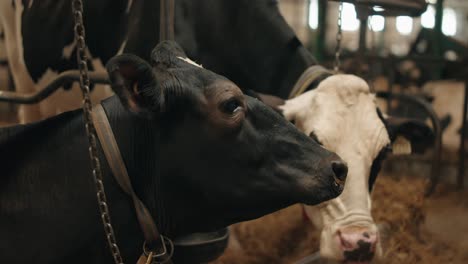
(358, 244)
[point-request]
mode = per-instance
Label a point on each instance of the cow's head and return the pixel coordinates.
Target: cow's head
(341, 114)
(223, 156)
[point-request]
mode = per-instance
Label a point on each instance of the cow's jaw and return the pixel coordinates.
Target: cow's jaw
(341, 113)
(349, 211)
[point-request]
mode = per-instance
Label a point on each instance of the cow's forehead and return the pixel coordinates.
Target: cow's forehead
(189, 75)
(350, 128)
(345, 87)
(341, 112)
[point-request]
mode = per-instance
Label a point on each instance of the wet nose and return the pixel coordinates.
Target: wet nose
(358, 244)
(340, 170)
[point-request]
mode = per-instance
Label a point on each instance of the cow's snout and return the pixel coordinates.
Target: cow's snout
(358, 244)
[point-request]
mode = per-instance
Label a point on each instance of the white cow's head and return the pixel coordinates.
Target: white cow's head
(342, 115)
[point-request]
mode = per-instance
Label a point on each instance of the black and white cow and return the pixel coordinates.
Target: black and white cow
(201, 155)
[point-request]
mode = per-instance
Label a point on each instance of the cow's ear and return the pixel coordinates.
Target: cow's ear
(409, 135)
(134, 82)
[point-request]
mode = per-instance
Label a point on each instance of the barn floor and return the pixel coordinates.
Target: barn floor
(446, 211)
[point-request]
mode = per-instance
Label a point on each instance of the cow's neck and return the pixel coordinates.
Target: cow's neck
(296, 59)
(46, 187)
(145, 150)
(139, 142)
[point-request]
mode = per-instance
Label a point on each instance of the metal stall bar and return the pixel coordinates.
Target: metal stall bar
(59, 81)
(437, 37)
(461, 151)
(435, 175)
(321, 30)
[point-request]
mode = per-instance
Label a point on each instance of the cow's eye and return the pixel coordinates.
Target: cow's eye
(232, 106)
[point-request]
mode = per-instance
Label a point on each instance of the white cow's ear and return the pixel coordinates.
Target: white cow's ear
(401, 146)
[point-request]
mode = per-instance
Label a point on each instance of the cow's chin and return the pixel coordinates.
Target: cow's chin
(310, 194)
(330, 249)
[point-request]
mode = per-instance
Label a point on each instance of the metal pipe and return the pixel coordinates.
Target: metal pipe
(402, 5)
(391, 81)
(363, 35)
(59, 81)
(461, 151)
(321, 30)
(435, 172)
(437, 37)
(166, 26)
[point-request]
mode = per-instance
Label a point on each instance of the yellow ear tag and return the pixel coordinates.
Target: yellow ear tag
(145, 259)
(401, 146)
(142, 259)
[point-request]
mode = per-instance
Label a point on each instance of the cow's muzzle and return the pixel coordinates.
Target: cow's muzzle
(358, 244)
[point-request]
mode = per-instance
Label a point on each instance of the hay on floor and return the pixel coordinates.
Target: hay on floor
(285, 236)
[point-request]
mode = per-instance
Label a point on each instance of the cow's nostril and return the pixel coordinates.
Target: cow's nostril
(340, 170)
(358, 244)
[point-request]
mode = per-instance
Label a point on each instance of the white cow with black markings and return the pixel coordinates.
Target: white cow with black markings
(342, 115)
(11, 13)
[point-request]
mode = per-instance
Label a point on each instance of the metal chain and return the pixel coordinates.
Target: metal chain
(77, 7)
(339, 36)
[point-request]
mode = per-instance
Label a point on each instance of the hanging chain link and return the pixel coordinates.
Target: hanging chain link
(339, 36)
(77, 7)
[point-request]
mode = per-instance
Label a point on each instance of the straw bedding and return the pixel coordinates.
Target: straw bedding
(285, 236)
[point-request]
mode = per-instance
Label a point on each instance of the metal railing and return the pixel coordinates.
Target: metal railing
(62, 79)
